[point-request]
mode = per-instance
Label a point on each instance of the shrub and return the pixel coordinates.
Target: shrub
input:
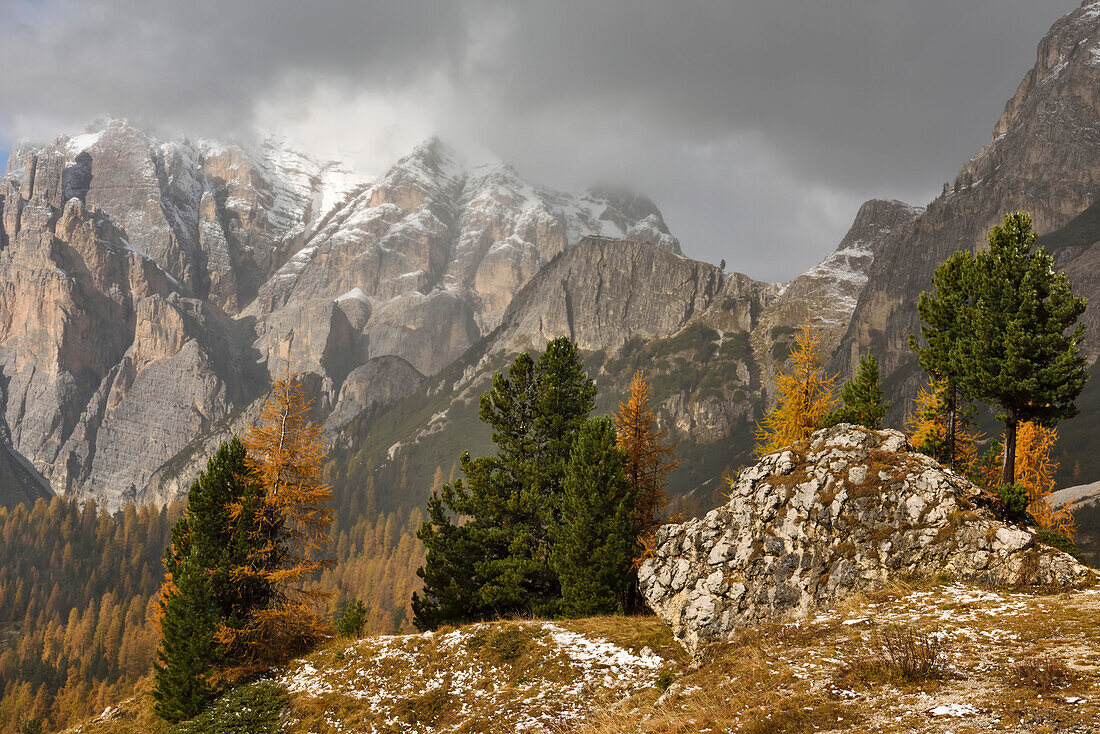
(353, 621)
(1054, 539)
(900, 656)
(664, 680)
(1014, 497)
(1041, 672)
(249, 709)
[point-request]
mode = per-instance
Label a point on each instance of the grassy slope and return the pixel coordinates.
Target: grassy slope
(585, 675)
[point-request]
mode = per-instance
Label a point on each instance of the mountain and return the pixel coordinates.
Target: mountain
(1042, 158)
(152, 287)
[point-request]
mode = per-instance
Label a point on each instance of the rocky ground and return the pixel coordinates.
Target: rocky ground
(1002, 661)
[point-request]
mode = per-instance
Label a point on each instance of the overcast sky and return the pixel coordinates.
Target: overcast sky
(757, 126)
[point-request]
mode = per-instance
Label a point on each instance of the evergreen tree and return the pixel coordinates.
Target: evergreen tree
(184, 670)
(594, 541)
(1017, 354)
(203, 590)
(805, 396)
(498, 561)
(219, 539)
(861, 398)
(945, 317)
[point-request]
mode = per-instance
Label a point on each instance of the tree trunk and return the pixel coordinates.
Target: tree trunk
(1008, 471)
(952, 410)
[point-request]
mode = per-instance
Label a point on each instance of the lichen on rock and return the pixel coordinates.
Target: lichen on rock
(846, 511)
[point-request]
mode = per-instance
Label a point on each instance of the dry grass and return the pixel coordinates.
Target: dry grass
(1018, 660)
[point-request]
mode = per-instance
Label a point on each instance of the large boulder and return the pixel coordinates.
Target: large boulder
(846, 511)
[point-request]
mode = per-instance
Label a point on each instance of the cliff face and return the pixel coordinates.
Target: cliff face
(149, 288)
(1042, 159)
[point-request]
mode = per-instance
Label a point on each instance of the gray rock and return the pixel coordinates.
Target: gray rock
(788, 543)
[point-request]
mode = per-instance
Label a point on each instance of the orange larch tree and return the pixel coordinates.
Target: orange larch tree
(648, 459)
(930, 422)
(285, 455)
(1035, 469)
(805, 395)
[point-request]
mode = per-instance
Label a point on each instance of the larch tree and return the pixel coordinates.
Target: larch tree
(1021, 352)
(285, 456)
(935, 419)
(594, 540)
(648, 460)
(804, 395)
(1035, 469)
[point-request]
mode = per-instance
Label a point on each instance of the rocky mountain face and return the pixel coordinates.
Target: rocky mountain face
(1042, 159)
(846, 511)
(702, 336)
(150, 288)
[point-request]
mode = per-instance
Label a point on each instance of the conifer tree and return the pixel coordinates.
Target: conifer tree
(927, 428)
(184, 672)
(498, 560)
(1022, 350)
(203, 590)
(594, 541)
(946, 316)
(805, 395)
(861, 397)
(648, 459)
(295, 513)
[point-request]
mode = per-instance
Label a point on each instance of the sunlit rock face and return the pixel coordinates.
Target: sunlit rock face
(149, 288)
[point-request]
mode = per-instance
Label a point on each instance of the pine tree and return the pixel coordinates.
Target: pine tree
(185, 668)
(805, 396)
(648, 460)
(498, 561)
(1017, 353)
(945, 317)
(594, 541)
(861, 398)
(295, 513)
(203, 590)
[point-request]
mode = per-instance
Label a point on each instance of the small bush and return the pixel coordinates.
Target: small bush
(500, 645)
(664, 680)
(1041, 672)
(900, 656)
(249, 709)
(353, 621)
(1014, 497)
(1057, 540)
(431, 708)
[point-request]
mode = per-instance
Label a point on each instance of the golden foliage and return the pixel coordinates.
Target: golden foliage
(285, 455)
(926, 427)
(648, 459)
(805, 395)
(1035, 469)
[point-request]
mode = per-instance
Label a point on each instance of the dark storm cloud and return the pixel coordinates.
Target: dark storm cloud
(758, 127)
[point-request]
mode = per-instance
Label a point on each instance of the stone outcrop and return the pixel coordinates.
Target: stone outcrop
(846, 511)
